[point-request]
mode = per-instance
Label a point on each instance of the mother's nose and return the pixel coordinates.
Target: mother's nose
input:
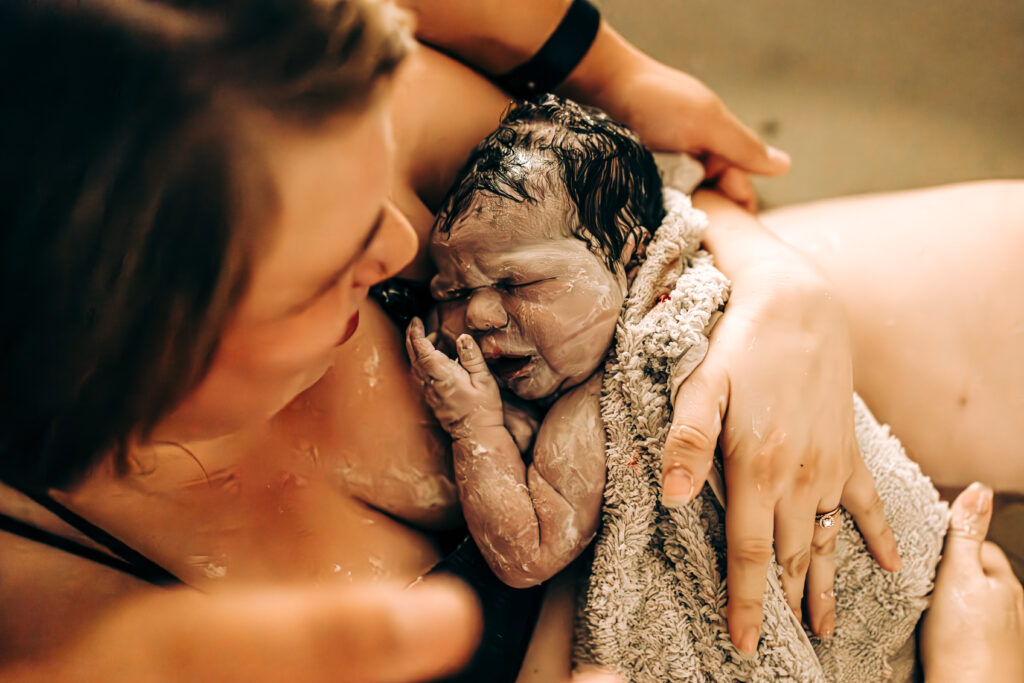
(485, 311)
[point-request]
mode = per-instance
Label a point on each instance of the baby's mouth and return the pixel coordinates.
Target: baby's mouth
(508, 366)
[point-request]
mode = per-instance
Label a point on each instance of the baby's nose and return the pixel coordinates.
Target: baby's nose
(485, 311)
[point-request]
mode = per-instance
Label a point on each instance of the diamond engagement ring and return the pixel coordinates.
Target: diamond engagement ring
(827, 519)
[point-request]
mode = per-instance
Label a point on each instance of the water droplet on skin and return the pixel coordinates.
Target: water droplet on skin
(308, 449)
(211, 567)
(371, 366)
(291, 479)
(215, 571)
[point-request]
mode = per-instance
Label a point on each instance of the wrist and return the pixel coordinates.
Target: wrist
(477, 426)
(487, 34)
(745, 250)
(609, 64)
(559, 56)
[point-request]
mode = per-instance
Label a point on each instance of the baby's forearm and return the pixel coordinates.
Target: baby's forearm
(512, 512)
(531, 521)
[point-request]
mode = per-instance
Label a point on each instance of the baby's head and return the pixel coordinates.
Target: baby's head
(533, 243)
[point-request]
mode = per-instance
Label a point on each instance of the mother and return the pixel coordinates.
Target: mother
(194, 207)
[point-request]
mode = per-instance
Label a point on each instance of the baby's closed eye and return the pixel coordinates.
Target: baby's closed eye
(524, 283)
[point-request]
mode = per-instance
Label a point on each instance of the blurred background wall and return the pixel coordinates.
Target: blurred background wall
(866, 95)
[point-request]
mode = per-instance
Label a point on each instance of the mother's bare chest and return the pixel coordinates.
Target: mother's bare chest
(376, 438)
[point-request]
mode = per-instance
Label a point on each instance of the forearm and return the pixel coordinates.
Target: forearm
(512, 512)
(495, 38)
(734, 236)
(492, 35)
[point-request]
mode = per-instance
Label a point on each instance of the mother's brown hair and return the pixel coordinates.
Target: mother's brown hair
(132, 199)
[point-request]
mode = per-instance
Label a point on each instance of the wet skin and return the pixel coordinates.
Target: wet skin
(532, 309)
(364, 418)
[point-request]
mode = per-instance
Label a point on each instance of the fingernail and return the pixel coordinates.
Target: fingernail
(828, 626)
(748, 640)
(984, 503)
(676, 488)
(776, 154)
(897, 563)
(464, 342)
(969, 516)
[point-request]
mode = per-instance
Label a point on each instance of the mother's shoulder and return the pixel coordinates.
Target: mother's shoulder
(440, 110)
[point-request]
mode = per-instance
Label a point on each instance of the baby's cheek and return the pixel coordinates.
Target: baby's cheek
(584, 347)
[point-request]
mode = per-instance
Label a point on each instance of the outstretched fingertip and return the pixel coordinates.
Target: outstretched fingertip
(972, 511)
(467, 348)
(968, 525)
(779, 160)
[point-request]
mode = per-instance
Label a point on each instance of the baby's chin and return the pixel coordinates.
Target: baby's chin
(533, 386)
(542, 383)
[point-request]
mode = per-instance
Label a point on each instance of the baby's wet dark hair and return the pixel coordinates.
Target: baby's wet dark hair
(610, 177)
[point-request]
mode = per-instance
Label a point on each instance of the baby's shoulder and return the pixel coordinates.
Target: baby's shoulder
(579, 405)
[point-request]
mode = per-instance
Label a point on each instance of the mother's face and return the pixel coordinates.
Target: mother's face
(335, 235)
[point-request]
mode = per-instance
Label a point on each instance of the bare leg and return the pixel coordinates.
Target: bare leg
(933, 283)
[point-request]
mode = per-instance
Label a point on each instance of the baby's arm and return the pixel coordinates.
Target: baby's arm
(528, 521)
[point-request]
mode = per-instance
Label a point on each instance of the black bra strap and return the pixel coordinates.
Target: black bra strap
(128, 560)
(36, 535)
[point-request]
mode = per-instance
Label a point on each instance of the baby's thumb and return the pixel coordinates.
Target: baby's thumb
(971, 514)
(470, 356)
(696, 424)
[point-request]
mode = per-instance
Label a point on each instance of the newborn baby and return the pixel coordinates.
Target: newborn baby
(557, 240)
(533, 248)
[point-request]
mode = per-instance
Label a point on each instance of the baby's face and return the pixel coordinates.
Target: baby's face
(539, 302)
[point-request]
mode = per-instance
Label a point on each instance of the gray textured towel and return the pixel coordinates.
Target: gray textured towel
(654, 604)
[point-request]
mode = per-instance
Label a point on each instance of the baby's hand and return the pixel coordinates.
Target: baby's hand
(464, 397)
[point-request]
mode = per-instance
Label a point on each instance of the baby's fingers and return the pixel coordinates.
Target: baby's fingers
(472, 358)
(416, 344)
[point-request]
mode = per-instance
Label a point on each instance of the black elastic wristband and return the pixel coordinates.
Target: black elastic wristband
(556, 59)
